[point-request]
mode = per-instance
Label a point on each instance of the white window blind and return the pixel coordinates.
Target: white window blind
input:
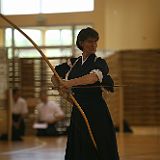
(19, 7)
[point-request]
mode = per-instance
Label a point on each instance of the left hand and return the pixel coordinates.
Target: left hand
(65, 90)
(64, 87)
(55, 81)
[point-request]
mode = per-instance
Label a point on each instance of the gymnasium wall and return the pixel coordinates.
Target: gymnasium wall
(122, 24)
(136, 75)
(132, 24)
(1, 37)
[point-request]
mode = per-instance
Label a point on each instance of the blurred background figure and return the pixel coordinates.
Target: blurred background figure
(19, 113)
(126, 127)
(49, 113)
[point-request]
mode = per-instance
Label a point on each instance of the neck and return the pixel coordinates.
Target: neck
(85, 56)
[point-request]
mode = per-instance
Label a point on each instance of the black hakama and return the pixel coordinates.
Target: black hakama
(79, 144)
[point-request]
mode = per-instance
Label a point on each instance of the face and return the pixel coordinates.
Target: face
(43, 98)
(89, 46)
(16, 95)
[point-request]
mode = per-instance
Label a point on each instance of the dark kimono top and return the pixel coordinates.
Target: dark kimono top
(80, 145)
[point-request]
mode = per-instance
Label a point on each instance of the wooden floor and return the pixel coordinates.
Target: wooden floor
(131, 147)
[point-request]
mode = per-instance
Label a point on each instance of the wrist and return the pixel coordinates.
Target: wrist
(70, 83)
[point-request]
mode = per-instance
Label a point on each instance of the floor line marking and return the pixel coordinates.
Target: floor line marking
(24, 150)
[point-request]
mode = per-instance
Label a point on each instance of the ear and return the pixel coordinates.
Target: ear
(81, 43)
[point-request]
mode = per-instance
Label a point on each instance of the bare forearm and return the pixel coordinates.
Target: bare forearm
(84, 80)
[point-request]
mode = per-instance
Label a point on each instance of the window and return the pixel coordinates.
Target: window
(58, 37)
(27, 53)
(63, 52)
(63, 6)
(57, 41)
(17, 7)
(13, 7)
(8, 37)
(20, 40)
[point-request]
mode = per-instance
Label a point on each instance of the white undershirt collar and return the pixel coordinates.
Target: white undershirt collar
(84, 60)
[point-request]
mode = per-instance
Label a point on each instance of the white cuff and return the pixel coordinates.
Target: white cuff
(98, 73)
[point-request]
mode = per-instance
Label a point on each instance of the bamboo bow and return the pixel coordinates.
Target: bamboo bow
(56, 75)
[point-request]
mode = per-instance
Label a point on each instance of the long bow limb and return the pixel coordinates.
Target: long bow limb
(57, 76)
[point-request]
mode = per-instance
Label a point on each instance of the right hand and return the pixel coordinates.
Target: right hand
(55, 81)
(63, 87)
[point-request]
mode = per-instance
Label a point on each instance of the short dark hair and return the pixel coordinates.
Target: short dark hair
(15, 90)
(43, 92)
(84, 34)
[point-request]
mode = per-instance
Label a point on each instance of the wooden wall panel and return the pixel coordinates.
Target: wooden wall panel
(139, 70)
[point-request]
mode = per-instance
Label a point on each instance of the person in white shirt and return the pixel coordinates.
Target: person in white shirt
(19, 113)
(49, 113)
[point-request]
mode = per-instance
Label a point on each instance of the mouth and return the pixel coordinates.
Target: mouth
(93, 49)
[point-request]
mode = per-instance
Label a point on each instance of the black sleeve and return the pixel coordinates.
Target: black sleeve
(107, 81)
(63, 68)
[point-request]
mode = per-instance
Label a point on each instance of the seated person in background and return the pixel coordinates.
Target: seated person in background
(126, 127)
(49, 113)
(19, 111)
